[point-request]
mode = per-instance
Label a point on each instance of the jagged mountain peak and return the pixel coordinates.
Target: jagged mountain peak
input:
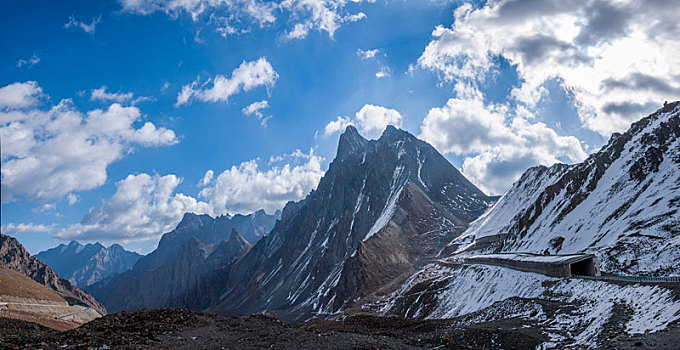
(350, 142)
(192, 220)
(392, 133)
(86, 264)
(396, 195)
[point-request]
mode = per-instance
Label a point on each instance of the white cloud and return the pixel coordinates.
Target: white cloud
(499, 143)
(303, 16)
(29, 62)
(143, 207)
(321, 15)
(617, 57)
(146, 206)
(299, 31)
(366, 54)
(370, 120)
(48, 153)
(13, 229)
(246, 187)
(337, 125)
(247, 76)
(20, 95)
(207, 178)
(256, 109)
(88, 28)
(102, 95)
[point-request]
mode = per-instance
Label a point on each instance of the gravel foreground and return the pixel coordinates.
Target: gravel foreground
(182, 329)
(174, 328)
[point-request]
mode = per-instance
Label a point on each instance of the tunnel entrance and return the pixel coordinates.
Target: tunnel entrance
(585, 267)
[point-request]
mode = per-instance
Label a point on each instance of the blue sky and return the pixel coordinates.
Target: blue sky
(493, 104)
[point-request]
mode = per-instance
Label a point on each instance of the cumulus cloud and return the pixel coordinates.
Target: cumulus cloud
(256, 109)
(337, 125)
(371, 118)
(14, 229)
(146, 206)
(371, 121)
(303, 15)
(499, 143)
(142, 208)
(616, 57)
(247, 76)
(247, 187)
(48, 153)
(20, 95)
(87, 28)
(29, 62)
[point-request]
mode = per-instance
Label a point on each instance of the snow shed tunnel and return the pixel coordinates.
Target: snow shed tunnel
(550, 265)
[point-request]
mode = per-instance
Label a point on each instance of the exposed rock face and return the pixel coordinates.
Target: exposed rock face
(207, 231)
(173, 283)
(622, 203)
(84, 265)
(382, 207)
(15, 257)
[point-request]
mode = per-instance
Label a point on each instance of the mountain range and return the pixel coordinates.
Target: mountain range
(383, 207)
(86, 264)
(194, 251)
(15, 257)
(622, 205)
(390, 225)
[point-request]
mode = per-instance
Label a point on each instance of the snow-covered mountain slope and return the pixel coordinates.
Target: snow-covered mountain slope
(382, 206)
(622, 203)
(570, 313)
(86, 264)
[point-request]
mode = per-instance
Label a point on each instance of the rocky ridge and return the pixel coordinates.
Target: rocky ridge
(86, 264)
(14, 256)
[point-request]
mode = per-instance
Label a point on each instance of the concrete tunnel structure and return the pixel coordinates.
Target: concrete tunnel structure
(549, 265)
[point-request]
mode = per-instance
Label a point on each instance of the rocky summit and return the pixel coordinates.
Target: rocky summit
(383, 208)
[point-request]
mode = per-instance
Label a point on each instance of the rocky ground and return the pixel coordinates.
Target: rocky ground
(182, 329)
